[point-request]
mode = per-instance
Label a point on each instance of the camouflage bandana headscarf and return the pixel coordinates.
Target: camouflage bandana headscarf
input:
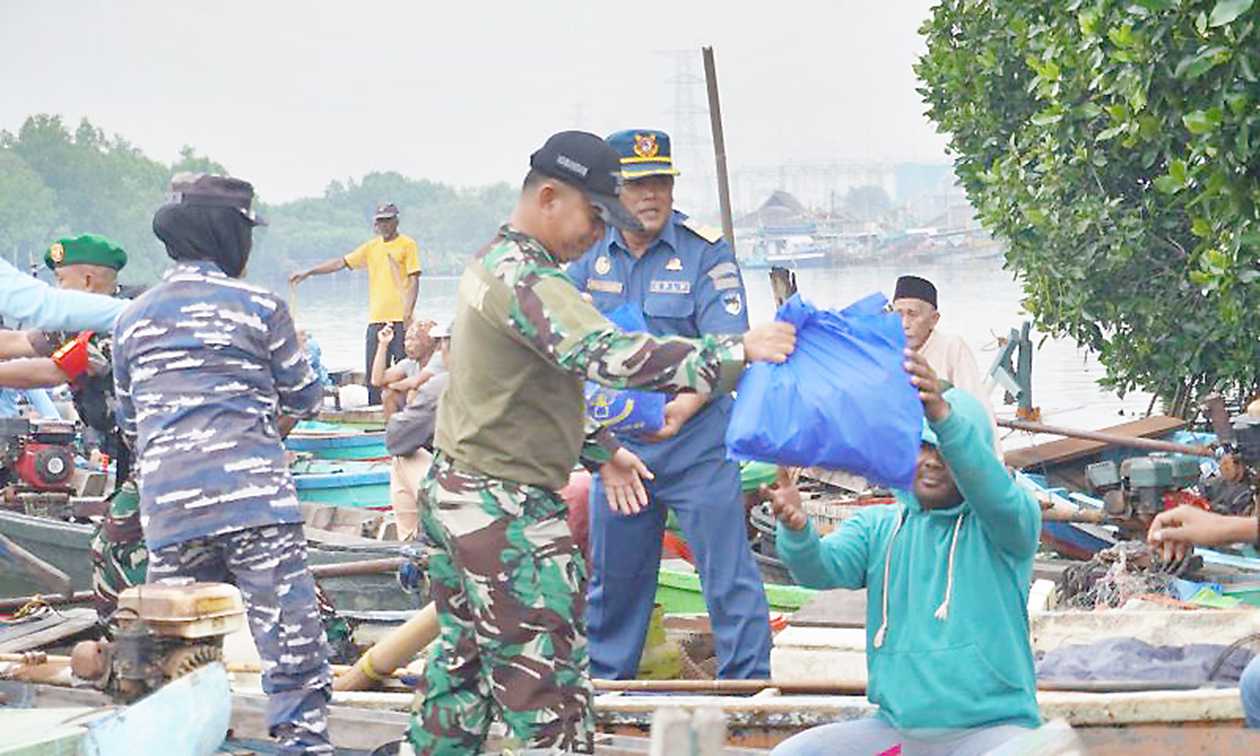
(194, 232)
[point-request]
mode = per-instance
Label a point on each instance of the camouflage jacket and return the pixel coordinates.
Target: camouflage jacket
(203, 365)
(523, 340)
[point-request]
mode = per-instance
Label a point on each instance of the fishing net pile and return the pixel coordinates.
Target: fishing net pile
(1128, 570)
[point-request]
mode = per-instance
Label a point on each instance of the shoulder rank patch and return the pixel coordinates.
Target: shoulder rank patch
(708, 233)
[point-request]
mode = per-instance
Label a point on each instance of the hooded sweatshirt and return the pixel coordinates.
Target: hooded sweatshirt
(947, 590)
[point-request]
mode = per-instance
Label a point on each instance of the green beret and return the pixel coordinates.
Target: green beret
(86, 249)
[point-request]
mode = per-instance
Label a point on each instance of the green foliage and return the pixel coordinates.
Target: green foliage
(56, 183)
(1112, 144)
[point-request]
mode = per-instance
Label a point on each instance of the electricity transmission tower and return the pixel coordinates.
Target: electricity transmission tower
(692, 145)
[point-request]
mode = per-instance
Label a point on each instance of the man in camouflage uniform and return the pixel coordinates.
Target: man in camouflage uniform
(207, 369)
(90, 263)
(506, 575)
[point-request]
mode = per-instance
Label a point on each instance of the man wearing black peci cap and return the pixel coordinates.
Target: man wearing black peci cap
(914, 298)
(506, 575)
(393, 265)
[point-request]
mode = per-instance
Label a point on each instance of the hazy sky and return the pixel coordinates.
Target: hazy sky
(293, 94)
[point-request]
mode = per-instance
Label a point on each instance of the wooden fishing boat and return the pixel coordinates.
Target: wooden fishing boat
(338, 441)
(372, 418)
(67, 546)
(190, 715)
(679, 593)
(343, 483)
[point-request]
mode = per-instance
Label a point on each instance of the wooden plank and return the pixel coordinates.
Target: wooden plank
(1069, 449)
(48, 630)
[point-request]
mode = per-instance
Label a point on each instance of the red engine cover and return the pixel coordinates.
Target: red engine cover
(45, 466)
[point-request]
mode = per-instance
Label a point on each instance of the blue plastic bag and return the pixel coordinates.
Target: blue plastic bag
(843, 399)
(630, 411)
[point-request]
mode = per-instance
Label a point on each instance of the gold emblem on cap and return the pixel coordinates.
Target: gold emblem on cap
(603, 265)
(645, 145)
(673, 264)
(56, 252)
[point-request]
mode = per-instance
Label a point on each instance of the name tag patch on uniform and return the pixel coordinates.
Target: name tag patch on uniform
(596, 284)
(733, 303)
(722, 284)
(670, 287)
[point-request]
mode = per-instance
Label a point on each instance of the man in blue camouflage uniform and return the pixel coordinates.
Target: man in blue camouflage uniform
(684, 278)
(506, 576)
(208, 371)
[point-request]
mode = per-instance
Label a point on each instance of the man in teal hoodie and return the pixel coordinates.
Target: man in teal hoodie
(947, 571)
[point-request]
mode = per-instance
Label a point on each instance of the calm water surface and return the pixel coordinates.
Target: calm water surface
(978, 301)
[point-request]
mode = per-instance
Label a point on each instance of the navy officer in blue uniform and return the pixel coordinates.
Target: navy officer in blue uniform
(684, 277)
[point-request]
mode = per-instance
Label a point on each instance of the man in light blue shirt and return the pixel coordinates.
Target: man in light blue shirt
(27, 302)
(39, 400)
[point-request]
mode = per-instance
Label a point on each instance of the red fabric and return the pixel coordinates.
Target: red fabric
(72, 357)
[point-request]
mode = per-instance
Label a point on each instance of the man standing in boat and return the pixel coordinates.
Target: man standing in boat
(946, 571)
(208, 371)
(684, 278)
(393, 265)
(88, 263)
(506, 576)
(914, 298)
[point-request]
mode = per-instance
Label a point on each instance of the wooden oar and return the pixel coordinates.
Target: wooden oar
(1146, 444)
(44, 573)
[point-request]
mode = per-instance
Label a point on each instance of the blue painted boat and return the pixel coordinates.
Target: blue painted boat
(190, 715)
(344, 483)
(337, 441)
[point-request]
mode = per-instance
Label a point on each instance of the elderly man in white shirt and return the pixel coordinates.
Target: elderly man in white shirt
(914, 298)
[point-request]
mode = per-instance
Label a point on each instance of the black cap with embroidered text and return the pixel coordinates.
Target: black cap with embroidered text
(586, 162)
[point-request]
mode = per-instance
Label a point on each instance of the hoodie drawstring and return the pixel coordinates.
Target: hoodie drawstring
(883, 626)
(942, 611)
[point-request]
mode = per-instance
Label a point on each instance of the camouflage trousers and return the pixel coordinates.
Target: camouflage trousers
(510, 588)
(119, 556)
(268, 565)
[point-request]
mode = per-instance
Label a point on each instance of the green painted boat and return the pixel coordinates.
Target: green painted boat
(679, 592)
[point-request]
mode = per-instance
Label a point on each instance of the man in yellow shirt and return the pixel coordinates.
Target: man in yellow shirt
(393, 264)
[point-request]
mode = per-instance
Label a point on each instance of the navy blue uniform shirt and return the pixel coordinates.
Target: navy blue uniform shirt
(203, 365)
(688, 284)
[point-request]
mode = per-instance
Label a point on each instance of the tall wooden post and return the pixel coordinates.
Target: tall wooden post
(719, 146)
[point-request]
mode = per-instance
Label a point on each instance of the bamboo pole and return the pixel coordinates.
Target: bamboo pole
(391, 652)
(1146, 444)
(12, 604)
(352, 569)
(719, 146)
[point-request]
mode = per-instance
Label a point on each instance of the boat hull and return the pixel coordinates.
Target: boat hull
(67, 546)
